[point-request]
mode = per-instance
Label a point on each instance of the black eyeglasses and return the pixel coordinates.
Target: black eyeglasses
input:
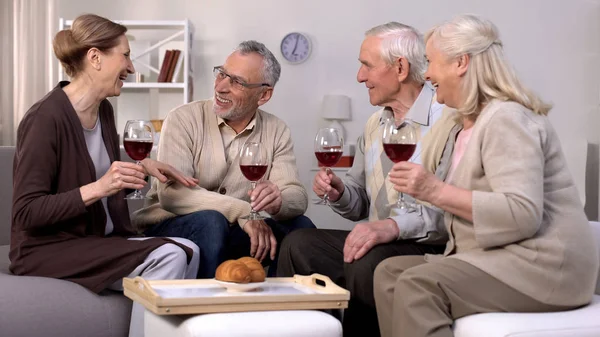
(235, 81)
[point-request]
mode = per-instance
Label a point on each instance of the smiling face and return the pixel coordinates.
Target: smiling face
(114, 66)
(381, 78)
(233, 103)
(445, 74)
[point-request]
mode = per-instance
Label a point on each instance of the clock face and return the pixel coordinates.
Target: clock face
(295, 47)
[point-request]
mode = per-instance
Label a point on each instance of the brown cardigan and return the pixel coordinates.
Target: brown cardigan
(53, 233)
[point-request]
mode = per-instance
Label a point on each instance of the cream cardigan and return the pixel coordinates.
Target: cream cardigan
(529, 229)
(191, 142)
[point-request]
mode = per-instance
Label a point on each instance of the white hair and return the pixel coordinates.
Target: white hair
(399, 40)
(489, 75)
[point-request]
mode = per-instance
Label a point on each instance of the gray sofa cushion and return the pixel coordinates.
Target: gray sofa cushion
(6, 161)
(39, 306)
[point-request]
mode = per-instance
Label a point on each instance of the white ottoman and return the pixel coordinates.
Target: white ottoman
(289, 323)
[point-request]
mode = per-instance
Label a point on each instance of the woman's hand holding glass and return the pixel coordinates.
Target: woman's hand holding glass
(121, 175)
(125, 175)
(415, 180)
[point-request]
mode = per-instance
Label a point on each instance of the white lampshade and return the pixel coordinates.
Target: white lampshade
(336, 107)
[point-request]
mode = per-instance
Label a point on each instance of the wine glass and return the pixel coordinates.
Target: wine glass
(253, 164)
(138, 139)
(329, 145)
(399, 143)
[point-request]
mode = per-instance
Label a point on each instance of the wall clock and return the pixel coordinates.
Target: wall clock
(296, 47)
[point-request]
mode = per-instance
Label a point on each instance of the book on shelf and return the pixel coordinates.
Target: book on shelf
(171, 64)
(164, 68)
(176, 75)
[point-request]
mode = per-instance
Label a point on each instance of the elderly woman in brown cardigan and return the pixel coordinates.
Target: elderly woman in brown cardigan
(519, 239)
(70, 218)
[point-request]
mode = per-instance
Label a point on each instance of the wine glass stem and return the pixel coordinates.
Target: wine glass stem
(253, 213)
(326, 195)
(137, 193)
(401, 203)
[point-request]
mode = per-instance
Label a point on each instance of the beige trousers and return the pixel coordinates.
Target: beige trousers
(415, 298)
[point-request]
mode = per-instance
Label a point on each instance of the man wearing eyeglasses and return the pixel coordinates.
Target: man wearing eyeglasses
(203, 139)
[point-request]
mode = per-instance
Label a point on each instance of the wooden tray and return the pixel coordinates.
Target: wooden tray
(178, 297)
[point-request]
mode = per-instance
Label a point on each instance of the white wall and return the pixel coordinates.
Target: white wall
(553, 44)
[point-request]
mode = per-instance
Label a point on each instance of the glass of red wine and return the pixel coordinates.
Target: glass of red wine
(138, 139)
(329, 145)
(253, 164)
(399, 143)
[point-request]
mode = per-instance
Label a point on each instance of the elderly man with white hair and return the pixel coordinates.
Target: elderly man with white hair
(393, 64)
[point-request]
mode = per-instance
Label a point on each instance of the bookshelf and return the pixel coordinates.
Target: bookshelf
(180, 30)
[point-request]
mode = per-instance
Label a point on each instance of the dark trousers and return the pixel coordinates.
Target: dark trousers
(320, 251)
(219, 240)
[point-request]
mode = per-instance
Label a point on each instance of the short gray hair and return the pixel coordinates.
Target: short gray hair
(400, 40)
(271, 67)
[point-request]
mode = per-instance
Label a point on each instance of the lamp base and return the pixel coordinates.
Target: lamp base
(337, 125)
(345, 161)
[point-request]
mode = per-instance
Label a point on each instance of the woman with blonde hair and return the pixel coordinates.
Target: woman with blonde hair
(69, 218)
(519, 238)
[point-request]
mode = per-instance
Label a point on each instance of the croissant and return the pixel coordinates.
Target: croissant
(257, 272)
(233, 271)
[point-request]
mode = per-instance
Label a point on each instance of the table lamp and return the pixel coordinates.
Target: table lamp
(336, 108)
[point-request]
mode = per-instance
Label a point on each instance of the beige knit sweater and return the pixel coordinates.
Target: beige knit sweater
(191, 142)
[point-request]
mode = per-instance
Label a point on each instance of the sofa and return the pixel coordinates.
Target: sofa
(39, 306)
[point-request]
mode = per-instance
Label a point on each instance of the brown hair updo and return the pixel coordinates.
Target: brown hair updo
(88, 31)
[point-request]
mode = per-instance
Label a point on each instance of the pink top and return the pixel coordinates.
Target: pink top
(459, 149)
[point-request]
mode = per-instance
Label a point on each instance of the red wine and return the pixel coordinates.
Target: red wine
(253, 172)
(399, 152)
(137, 149)
(328, 158)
